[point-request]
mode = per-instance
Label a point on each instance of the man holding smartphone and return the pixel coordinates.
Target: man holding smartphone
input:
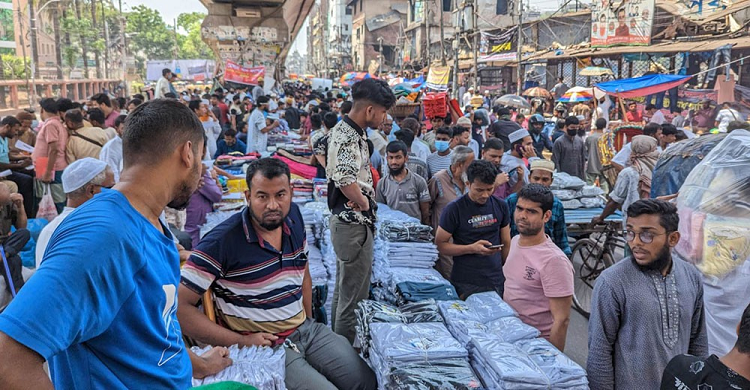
(474, 229)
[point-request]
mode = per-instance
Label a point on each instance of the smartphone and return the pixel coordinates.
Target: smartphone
(498, 246)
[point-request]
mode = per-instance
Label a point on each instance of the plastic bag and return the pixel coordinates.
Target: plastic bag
(262, 367)
(714, 208)
(572, 204)
(589, 191)
(564, 181)
(429, 341)
(446, 374)
(590, 203)
(565, 194)
(47, 209)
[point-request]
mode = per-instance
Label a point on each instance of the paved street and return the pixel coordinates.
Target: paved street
(576, 345)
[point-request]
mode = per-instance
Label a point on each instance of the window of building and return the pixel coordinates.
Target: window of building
(361, 5)
(346, 27)
(447, 5)
(502, 7)
(348, 10)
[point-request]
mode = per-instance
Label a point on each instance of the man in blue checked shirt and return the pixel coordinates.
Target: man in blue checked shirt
(541, 173)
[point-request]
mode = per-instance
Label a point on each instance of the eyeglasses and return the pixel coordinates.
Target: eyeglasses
(645, 237)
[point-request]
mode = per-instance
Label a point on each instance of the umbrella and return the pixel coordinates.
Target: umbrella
(577, 94)
(350, 78)
(538, 92)
(512, 101)
(642, 86)
(595, 71)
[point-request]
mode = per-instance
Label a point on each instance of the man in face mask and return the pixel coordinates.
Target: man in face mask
(441, 159)
(522, 146)
(569, 151)
(541, 140)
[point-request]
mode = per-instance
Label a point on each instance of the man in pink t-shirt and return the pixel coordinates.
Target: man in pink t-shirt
(538, 275)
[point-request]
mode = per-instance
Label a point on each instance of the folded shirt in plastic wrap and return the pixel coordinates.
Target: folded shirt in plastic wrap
(585, 197)
(482, 307)
(396, 231)
(262, 367)
(386, 214)
(419, 342)
(447, 374)
(369, 312)
(504, 366)
(506, 329)
(416, 284)
(561, 372)
(214, 219)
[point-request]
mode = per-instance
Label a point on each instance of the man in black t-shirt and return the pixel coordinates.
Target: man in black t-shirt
(503, 127)
(478, 224)
(687, 372)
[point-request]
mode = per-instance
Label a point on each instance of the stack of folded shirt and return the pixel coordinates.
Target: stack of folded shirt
(370, 312)
(453, 374)
(416, 284)
(561, 372)
(214, 219)
(262, 367)
(397, 231)
(504, 366)
(302, 189)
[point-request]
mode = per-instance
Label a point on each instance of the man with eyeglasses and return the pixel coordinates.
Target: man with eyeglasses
(81, 181)
(569, 151)
(647, 308)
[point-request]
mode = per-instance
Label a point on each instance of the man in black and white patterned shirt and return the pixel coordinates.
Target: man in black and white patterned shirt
(687, 372)
(351, 198)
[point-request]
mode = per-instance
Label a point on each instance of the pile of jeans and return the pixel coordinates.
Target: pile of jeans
(262, 367)
(396, 231)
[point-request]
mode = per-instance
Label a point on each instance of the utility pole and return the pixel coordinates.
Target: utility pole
(458, 29)
(124, 48)
(380, 56)
(442, 33)
(427, 24)
(519, 31)
(476, 45)
(106, 43)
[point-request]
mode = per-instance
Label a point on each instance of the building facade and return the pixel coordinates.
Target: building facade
(339, 38)
(377, 34)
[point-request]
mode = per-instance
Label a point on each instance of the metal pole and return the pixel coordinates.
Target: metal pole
(456, 45)
(32, 29)
(123, 55)
(442, 35)
(519, 69)
(476, 47)
(23, 52)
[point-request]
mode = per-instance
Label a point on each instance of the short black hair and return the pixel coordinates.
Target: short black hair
(139, 96)
(64, 104)
(666, 211)
(324, 107)
(194, 105)
(155, 129)
(481, 170)
(134, 101)
(459, 130)
(120, 120)
(166, 71)
(411, 124)
(444, 130)
(316, 121)
(268, 167)
(102, 98)
(743, 334)
(651, 129)
(330, 119)
(74, 115)
(538, 193)
(405, 135)
(49, 105)
(397, 146)
(121, 102)
(650, 107)
(375, 91)
(560, 124)
(493, 143)
(669, 129)
(230, 133)
(734, 125)
(170, 95)
(600, 123)
(571, 120)
(346, 107)
(10, 121)
(97, 115)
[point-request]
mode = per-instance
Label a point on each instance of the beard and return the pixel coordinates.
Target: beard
(187, 187)
(265, 222)
(395, 171)
(529, 230)
(662, 260)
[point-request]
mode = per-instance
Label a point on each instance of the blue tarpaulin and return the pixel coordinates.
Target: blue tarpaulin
(642, 86)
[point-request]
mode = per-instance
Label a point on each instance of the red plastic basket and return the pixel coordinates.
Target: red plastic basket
(435, 105)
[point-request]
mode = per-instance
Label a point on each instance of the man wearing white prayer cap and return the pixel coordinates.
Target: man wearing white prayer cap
(512, 163)
(81, 180)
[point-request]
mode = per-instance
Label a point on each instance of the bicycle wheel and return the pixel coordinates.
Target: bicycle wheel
(589, 261)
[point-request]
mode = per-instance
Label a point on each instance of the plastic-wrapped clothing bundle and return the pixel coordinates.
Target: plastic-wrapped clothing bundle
(370, 312)
(504, 366)
(563, 181)
(564, 195)
(591, 203)
(511, 329)
(386, 214)
(405, 232)
(448, 374)
(482, 307)
(215, 218)
(678, 160)
(420, 342)
(714, 207)
(318, 271)
(562, 372)
(262, 367)
(586, 197)
(416, 292)
(411, 254)
(589, 191)
(572, 204)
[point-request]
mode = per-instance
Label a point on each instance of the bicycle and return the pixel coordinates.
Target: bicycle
(591, 255)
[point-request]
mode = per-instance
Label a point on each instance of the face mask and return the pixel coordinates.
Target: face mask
(572, 132)
(442, 146)
(391, 136)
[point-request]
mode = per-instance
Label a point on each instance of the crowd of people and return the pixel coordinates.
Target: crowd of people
(109, 265)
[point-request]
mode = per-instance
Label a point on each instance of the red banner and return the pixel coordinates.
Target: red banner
(242, 75)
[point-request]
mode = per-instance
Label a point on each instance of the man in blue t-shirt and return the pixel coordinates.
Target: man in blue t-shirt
(477, 223)
(101, 308)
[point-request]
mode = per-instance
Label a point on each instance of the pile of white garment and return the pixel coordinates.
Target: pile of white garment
(321, 256)
(262, 367)
(214, 219)
(505, 352)
(575, 194)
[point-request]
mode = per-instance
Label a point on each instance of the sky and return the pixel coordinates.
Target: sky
(169, 9)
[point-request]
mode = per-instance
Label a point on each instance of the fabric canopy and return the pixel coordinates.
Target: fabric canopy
(642, 86)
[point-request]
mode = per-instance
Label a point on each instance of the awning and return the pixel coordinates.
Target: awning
(642, 86)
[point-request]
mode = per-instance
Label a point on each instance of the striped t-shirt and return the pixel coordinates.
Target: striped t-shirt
(256, 287)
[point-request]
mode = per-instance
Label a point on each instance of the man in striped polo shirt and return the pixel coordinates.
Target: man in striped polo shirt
(255, 263)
